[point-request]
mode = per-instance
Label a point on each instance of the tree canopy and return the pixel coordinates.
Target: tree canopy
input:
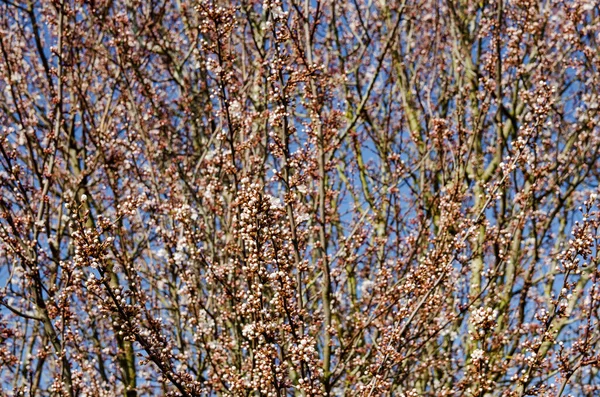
(285, 198)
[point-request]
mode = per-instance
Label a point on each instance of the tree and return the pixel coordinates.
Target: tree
(299, 198)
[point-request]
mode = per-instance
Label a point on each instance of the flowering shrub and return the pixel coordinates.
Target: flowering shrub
(312, 198)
